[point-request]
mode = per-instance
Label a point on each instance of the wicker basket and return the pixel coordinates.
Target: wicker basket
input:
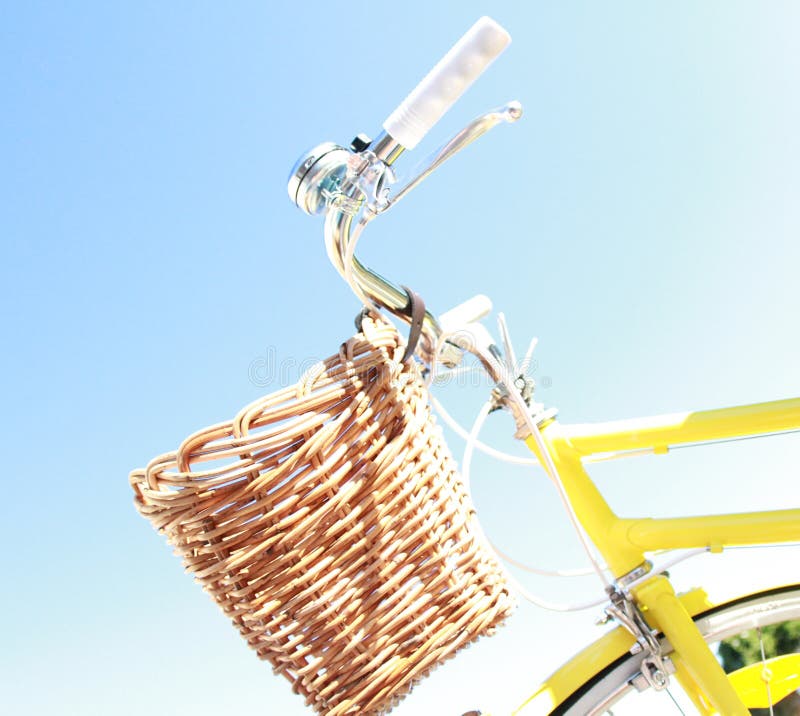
(329, 523)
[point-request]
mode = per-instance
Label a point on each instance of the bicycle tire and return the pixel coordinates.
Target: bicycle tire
(612, 683)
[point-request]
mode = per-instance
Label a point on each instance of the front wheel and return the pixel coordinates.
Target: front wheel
(744, 631)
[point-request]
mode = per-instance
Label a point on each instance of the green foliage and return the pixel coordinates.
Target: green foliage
(745, 648)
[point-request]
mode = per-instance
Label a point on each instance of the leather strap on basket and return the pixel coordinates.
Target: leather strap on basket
(415, 309)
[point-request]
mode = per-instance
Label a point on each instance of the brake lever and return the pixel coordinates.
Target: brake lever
(509, 112)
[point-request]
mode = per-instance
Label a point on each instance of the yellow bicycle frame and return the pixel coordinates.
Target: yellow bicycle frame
(623, 542)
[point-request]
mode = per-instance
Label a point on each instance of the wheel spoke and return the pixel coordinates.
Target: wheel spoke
(677, 705)
(765, 670)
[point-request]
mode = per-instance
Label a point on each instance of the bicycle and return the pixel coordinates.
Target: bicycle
(621, 542)
(661, 636)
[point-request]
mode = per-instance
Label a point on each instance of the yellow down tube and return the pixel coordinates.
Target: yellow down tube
(712, 531)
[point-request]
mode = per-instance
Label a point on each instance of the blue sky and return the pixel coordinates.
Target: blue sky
(642, 220)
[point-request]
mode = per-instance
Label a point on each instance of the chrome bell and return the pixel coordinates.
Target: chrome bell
(317, 175)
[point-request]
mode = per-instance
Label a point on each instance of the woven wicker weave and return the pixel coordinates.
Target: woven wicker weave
(328, 521)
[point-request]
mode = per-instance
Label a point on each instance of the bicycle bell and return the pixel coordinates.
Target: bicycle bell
(316, 175)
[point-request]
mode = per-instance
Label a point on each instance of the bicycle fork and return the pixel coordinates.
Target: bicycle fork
(698, 670)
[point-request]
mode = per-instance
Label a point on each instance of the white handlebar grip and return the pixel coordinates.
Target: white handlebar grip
(446, 82)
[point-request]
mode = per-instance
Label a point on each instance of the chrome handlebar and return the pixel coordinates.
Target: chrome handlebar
(352, 186)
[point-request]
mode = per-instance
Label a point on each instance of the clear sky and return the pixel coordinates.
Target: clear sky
(642, 219)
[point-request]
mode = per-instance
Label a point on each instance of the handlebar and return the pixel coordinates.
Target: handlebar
(352, 186)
